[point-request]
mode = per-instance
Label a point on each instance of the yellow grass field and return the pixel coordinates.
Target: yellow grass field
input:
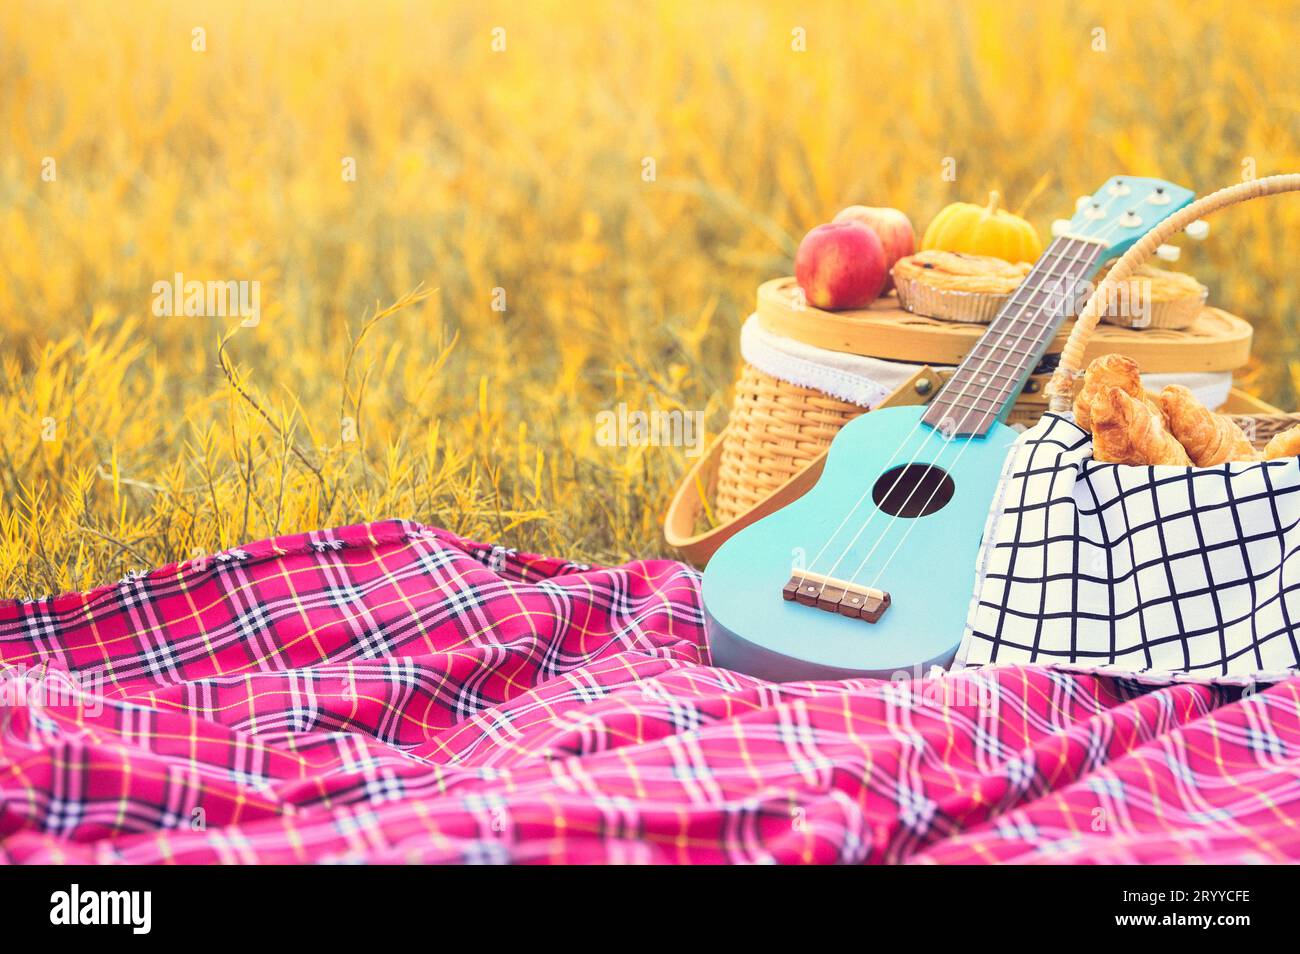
(501, 197)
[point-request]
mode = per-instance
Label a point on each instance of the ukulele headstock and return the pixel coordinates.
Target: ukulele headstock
(1123, 210)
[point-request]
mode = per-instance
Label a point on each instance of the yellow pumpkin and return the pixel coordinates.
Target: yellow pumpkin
(983, 230)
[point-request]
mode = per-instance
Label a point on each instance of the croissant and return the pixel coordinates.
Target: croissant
(1109, 371)
(1127, 431)
(1209, 438)
(1285, 444)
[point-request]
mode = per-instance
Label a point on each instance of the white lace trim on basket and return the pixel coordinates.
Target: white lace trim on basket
(850, 377)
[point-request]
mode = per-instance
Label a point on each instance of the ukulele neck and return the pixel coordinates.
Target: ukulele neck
(986, 384)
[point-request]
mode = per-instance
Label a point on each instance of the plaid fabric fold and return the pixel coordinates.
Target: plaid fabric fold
(391, 692)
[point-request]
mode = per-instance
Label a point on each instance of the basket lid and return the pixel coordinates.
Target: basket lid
(1216, 341)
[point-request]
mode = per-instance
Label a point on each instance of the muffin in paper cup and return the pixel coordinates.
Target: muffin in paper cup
(954, 286)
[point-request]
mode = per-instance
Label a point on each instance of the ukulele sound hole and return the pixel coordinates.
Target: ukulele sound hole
(913, 490)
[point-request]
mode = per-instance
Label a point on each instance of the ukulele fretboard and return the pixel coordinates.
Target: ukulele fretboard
(987, 382)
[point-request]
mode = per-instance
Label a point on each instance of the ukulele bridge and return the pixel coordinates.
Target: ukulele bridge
(836, 596)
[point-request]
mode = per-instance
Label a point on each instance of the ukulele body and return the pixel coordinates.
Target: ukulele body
(926, 563)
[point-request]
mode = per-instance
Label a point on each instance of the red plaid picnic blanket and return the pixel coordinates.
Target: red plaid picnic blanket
(390, 692)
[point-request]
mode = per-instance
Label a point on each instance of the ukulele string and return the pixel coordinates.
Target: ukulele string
(1074, 256)
(982, 414)
(894, 456)
(854, 509)
(902, 471)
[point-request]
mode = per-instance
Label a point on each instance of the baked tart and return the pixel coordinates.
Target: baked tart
(1155, 298)
(955, 286)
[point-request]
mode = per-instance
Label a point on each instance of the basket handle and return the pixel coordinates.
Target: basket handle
(1061, 387)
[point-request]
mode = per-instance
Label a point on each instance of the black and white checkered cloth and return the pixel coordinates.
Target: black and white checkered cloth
(1160, 573)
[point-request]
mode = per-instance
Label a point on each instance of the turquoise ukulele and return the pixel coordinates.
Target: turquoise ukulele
(872, 571)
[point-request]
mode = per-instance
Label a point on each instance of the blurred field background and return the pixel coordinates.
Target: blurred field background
(124, 444)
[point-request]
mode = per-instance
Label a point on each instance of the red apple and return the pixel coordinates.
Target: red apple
(892, 227)
(841, 265)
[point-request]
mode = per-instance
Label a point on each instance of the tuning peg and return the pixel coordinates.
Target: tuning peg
(1080, 202)
(1198, 230)
(1060, 227)
(1168, 253)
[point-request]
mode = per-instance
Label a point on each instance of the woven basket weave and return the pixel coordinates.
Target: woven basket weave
(775, 430)
(1261, 428)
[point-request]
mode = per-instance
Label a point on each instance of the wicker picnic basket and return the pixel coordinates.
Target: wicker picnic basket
(1070, 368)
(778, 433)
(1159, 573)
